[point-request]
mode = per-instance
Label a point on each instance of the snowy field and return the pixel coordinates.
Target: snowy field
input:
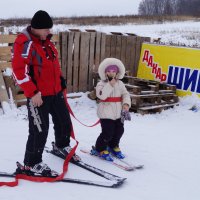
(166, 143)
(179, 33)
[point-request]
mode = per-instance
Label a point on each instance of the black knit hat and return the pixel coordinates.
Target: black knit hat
(41, 20)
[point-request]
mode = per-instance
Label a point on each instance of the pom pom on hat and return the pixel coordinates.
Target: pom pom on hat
(41, 20)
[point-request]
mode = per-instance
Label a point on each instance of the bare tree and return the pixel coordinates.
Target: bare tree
(169, 7)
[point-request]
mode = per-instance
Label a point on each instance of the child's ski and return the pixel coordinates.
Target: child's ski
(120, 163)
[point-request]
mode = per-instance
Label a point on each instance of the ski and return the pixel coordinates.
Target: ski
(110, 184)
(88, 167)
(120, 163)
(126, 162)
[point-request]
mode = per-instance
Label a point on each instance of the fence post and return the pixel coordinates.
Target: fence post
(3, 93)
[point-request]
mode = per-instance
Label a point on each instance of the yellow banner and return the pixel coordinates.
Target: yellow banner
(172, 65)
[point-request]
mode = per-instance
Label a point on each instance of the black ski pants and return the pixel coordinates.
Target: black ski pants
(112, 131)
(39, 126)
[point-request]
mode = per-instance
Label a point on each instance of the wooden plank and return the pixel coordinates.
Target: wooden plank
(117, 33)
(108, 45)
(9, 82)
(84, 55)
(74, 30)
(97, 50)
(91, 60)
(20, 99)
(5, 50)
(90, 30)
(128, 47)
(60, 45)
(137, 53)
(133, 70)
(64, 54)
(158, 106)
(76, 61)
(3, 91)
(130, 53)
(59, 52)
(4, 65)
(5, 53)
(118, 46)
(7, 38)
(70, 51)
(103, 46)
(134, 89)
(6, 57)
(113, 46)
(123, 50)
(152, 95)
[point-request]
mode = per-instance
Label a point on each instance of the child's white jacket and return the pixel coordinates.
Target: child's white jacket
(111, 110)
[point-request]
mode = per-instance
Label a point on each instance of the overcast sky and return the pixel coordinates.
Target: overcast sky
(26, 8)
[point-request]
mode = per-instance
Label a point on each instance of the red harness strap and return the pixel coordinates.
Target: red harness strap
(112, 99)
(71, 112)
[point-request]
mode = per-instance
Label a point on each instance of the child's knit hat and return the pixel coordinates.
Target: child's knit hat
(114, 68)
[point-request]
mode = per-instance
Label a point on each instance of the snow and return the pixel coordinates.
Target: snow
(185, 33)
(166, 143)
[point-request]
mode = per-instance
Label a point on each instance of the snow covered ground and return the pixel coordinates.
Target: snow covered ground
(166, 143)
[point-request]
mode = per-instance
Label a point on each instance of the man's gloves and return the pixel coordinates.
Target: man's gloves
(63, 83)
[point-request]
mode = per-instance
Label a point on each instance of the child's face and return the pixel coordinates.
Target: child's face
(111, 73)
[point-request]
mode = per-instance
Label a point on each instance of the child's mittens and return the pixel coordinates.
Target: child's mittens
(125, 115)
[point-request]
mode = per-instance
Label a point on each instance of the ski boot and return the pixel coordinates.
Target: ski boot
(103, 154)
(63, 152)
(39, 169)
(116, 152)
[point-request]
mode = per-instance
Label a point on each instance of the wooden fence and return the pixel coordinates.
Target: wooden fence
(80, 55)
(82, 52)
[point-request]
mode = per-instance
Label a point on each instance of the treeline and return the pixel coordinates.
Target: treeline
(96, 20)
(169, 7)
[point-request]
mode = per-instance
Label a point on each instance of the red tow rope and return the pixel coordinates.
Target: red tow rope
(71, 112)
(69, 156)
(47, 179)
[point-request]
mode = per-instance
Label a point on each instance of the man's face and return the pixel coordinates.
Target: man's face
(41, 33)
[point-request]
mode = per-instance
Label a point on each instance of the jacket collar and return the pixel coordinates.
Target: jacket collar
(33, 37)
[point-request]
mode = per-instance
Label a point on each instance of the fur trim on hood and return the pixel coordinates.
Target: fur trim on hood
(111, 61)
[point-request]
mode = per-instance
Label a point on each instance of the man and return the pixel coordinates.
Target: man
(37, 71)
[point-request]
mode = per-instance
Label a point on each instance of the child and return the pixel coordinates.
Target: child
(114, 100)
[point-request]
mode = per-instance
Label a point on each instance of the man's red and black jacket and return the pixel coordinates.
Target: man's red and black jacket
(35, 65)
